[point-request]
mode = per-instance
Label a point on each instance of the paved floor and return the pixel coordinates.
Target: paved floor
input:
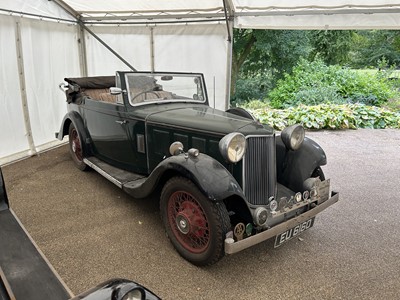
(91, 231)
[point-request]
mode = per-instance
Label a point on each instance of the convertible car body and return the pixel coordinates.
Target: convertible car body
(227, 182)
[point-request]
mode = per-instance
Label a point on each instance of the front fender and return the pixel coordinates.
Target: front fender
(209, 175)
(296, 166)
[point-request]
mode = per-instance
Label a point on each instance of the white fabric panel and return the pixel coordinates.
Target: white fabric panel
(38, 7)
(253, 4)
(50, 54)
(180, 48)
(12, 128)
(140, 5)
(321, 22)
(197, 49)
(132, 43)
(312, 14)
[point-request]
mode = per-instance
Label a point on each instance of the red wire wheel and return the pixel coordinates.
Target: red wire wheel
(75, 147)
(195, 225)
(188, 222)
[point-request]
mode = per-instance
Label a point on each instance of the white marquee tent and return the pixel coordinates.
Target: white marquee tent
(43, 41)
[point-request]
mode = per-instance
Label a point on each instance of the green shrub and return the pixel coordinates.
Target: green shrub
(327, 116)
(316, 95)
(334, 84)
(247, 88)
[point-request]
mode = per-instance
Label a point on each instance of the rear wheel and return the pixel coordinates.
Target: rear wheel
(195, 225)
(75, 148)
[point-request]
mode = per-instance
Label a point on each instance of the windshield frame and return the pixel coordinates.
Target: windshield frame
(200, 76)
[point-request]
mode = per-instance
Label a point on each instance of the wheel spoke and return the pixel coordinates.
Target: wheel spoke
(188, 222)
(77, 149)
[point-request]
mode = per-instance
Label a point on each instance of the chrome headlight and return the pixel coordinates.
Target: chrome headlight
(232, 147)
(293, 136)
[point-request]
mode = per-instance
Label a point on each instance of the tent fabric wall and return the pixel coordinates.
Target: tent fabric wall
(49, 52)
(12, 133)
(177, 48)
(131, 42)
(199, 48)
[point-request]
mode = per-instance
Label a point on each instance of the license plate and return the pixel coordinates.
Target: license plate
(293, 232)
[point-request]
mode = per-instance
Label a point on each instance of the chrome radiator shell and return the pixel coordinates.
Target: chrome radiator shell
(259, 169)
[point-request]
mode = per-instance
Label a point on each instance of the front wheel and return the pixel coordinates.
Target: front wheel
(75, 148)
(195, 225)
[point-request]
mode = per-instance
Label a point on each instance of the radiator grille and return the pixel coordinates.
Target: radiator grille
(259, 171)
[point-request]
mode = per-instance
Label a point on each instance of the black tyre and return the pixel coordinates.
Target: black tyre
(318, 173)
(76, 148)
(195, 225)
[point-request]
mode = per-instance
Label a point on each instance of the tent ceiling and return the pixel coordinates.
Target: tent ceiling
(305, 14)
(263, 14)
(128, 11)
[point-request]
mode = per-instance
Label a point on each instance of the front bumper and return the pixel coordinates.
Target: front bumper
(232, 247)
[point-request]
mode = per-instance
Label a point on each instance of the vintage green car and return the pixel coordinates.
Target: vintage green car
(227, 182)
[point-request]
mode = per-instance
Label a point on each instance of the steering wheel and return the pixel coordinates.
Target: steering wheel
(145, 94)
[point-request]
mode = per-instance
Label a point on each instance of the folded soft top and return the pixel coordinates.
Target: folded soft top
(96, 82)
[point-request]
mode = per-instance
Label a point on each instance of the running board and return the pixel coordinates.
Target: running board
(120, 178)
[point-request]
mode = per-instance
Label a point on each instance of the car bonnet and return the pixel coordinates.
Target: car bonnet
(203, 118)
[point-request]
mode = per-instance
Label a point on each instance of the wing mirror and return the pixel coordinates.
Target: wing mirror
(116, 91)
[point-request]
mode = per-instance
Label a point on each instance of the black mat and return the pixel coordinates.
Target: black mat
(25, 269)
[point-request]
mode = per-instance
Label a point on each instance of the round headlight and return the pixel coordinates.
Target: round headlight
(261, 215)
(293, 136)
(232, 147)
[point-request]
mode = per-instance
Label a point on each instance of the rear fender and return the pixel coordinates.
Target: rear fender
(74, 118)
(296, 166)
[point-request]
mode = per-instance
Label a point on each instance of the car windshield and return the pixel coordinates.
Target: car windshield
(144, 87)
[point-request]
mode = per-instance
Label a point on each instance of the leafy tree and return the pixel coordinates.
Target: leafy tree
(266, 52)
(332, 46)
(371, 47)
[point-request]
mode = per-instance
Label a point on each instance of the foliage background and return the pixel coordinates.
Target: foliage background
(322, 79)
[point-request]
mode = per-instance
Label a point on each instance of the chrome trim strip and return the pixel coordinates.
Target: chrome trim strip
(103, 173)
(233, 247)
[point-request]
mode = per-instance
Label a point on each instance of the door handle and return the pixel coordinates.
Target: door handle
(121, 122)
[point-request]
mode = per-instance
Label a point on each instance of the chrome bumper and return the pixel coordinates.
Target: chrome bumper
(233, 247)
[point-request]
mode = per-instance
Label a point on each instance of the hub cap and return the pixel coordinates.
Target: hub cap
(188, 222)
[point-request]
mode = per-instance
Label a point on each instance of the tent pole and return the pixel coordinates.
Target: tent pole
(82, 51)
(24, 98)
(105, 45)
(228, 10)
(227, 19)
(152, 49)
(77, 16)
(228, 71)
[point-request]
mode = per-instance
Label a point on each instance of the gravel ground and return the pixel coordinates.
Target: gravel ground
(92, 231)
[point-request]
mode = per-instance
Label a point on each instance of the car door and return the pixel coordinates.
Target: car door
(107, 124)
